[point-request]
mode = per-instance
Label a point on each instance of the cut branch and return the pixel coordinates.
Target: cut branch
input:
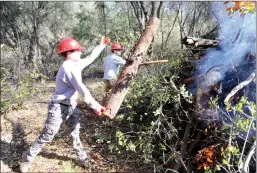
(153, 62)
(120, 89)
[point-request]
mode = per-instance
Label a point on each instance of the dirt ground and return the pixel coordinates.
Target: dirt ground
(20, 128)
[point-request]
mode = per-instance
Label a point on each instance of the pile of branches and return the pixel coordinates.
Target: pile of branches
(163, 123)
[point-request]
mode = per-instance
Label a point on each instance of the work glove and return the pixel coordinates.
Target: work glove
(105, 40)
(98, 109)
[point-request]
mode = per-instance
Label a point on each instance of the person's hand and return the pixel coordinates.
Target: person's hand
(99, 110)
(105, 40)
(107, 113)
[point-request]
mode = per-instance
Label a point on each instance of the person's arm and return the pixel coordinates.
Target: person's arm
(76, 82)
(89, 59)
(95, 53)
(118, 60)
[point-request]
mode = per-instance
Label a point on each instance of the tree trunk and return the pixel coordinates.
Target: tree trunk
(120, 89)
(167, 38)
(180, 27)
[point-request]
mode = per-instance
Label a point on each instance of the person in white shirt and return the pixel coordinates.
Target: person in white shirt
(63, 105)
(112, 64)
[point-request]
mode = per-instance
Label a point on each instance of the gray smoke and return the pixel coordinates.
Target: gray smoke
(237, 37)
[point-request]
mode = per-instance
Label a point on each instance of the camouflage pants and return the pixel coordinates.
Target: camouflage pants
(58, 113)
(108, 85)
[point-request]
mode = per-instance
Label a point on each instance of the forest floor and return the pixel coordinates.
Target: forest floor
(21, 127)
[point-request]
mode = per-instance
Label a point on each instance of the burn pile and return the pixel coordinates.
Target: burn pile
(225, 84)
(224, 79)
(239, 82)
(213, 91)
(226, 71)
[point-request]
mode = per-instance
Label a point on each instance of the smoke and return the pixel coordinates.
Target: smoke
(237, 36)
(227, 64)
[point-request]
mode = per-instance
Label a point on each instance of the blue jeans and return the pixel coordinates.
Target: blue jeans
(58, 113)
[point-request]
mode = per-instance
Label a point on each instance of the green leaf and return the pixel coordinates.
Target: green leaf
(225, 162)
(217, 167)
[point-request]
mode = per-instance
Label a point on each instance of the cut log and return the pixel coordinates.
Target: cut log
(120, 89)
(199, 42)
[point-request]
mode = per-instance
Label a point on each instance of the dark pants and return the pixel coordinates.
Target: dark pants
(58, 113)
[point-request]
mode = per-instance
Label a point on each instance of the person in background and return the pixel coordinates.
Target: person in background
(112, 64)
(63, 106)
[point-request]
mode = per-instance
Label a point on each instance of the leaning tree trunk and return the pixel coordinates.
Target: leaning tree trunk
(120, 89)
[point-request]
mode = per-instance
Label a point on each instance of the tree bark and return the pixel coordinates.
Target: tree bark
(120, 89)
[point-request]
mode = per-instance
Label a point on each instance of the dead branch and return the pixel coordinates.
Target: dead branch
(153, 62)
(248, 157)
(184, 165)
(196, 140)
(184, 146)
(240, 86)
(189, 80)
(242, 153)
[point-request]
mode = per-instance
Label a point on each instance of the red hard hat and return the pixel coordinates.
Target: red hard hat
(68, 44)
(116, 46)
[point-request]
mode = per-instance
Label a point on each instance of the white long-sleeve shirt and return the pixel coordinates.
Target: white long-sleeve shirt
(69, 80)
(112, 64)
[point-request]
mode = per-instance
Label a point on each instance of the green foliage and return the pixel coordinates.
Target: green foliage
(13, 97)
(91, 26)
(87, 29)
(213, 102)
(242, 124)
(101, 137)
(148, 126)
(227, 153)
(128, 40)
(148, 118)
